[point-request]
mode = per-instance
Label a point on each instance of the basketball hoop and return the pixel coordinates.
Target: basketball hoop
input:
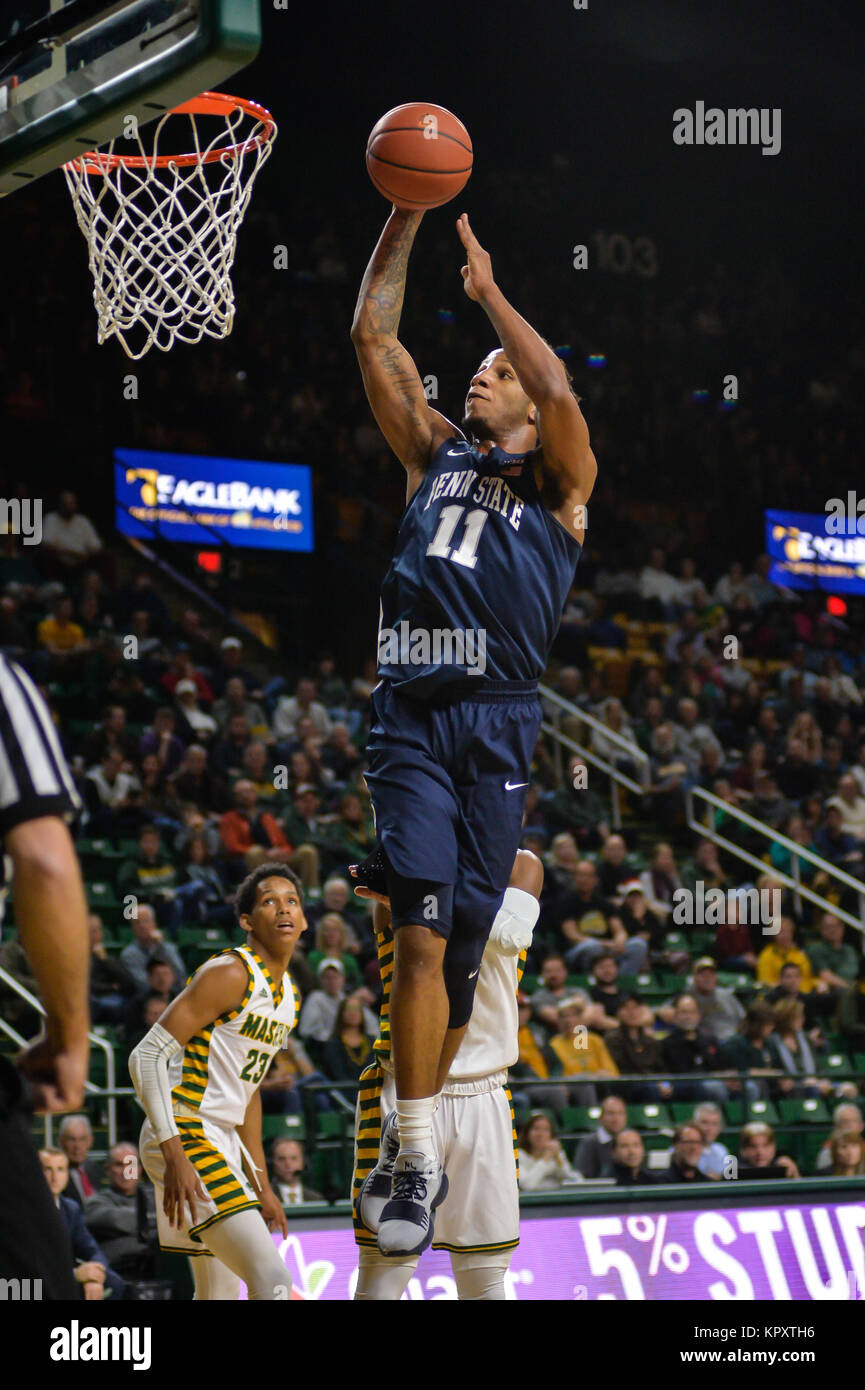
(162, 228)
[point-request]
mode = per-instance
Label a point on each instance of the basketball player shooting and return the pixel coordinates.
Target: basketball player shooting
(484, 560)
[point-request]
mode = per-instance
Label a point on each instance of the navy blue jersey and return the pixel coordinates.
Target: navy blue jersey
(479, 578)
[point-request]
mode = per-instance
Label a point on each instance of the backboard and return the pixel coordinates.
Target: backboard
(71, 71)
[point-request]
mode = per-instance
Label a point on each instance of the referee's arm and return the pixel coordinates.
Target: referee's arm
(36, 793)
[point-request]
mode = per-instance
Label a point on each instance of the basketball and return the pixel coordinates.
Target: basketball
(419, 156)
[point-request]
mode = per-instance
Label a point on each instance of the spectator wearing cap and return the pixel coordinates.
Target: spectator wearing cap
(635, 1049)
(594, 1153)
(230, 664)
(684, 1165)
(640, 921)
(628, 1161)
(195, 725)
(720, 1011)
(592, 923)
(710, 1121)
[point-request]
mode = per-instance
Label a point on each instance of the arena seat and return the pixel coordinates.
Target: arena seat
(757, 1110)
(804, 1111)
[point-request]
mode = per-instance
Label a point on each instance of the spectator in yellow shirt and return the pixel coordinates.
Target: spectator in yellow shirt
(58, 634)
(782, 950)
(580, 1051)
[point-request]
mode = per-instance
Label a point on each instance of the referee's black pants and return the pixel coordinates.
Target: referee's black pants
(34, 1242)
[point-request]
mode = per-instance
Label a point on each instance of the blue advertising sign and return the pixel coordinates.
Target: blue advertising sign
(816, 551)
(205, 501)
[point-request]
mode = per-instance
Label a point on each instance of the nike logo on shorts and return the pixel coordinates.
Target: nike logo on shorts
(474, 972)
(512, 786)
(457, 453)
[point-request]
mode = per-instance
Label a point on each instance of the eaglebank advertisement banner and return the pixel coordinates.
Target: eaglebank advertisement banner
(820, 550)
(205, 501)
(800, 1253)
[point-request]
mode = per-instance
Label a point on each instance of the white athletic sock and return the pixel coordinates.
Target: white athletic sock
(414, 1122)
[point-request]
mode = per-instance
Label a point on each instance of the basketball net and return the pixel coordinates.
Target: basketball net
(162, 228)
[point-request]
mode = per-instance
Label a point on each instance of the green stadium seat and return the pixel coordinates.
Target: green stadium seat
(811, 1111)
(102, 895)
(676, 940)
(282, 1127)
(579, 981)
(859, 1062)
(530, 983)
(584, 1117)
(682, 1110)
(649, 1116)
(757, 1110)
(656, 1142)
(833, 1062)
(571, 1118)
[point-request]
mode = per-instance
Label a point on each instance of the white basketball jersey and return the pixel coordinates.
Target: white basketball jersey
(224, 1064)
(490, 1043)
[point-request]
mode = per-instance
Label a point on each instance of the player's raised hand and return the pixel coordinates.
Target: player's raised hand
(478, 274)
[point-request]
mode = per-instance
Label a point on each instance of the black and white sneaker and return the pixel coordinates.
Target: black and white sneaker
(406, 1224)
(376, 1187)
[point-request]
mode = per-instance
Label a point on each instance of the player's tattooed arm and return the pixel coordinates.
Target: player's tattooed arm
(391, 380)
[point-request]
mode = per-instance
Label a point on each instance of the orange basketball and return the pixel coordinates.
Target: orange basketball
(419, 155)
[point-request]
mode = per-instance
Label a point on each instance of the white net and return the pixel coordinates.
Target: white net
(162, 230)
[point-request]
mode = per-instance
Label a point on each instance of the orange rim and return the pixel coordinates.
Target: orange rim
(207, 104)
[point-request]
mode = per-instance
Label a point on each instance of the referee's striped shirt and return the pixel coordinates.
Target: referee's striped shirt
(34, 778)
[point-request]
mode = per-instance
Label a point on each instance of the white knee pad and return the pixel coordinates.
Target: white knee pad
(381, 1279)
(214, 1281)
(480, 1276)
(243, 1243)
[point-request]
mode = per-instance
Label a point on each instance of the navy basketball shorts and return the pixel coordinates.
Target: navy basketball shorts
(448, 782)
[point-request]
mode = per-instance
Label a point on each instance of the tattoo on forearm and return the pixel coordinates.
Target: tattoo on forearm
(381, 295)
(405, 381)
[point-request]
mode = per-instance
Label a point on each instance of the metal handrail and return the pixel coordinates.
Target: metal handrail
(707, 830)
(796, 852)
(617, 777)
(94, 1039)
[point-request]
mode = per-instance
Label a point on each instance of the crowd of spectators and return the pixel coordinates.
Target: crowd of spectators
(196, 760)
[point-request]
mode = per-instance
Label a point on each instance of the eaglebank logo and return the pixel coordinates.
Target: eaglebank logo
(433, 646)
(165, 489)
(712, 907)
(736, 126)
(76, 1343)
